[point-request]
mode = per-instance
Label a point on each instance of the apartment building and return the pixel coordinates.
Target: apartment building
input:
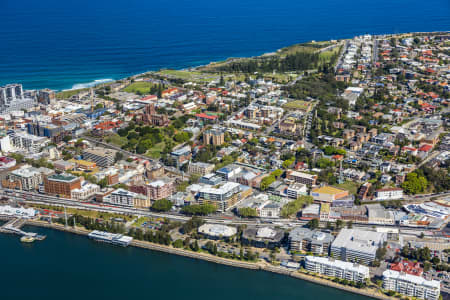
(214, 137)
(389, 194)
(306, 240)
(86, 191)
(123, 197)
(26, 178)
(296, 190)
(301, 177)
(160, 189)
(337, 268)
(200, 168)
(101, 156)
(181, 156)
(13, 98)
(27, 142)
(223, 197)
(411, 285)
(356, 245)
(61, 184)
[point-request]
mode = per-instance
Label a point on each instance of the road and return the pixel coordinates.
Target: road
(36, 198)
(428, 158)
(344, 50)
(375, 51)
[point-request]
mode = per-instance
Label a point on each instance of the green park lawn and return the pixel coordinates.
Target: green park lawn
(155, 151)
(140, 87)
(350, 186)
(297, 105)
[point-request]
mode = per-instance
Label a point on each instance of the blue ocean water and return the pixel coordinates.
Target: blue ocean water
(57, 44)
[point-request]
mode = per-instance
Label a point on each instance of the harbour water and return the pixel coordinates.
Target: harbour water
(65, 44)
(68, 266)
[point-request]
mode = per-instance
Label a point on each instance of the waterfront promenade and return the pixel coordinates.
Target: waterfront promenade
(263, 266)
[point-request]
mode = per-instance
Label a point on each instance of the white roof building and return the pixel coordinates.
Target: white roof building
(337, 268)
(357, 245)
(217, 230)
(411, 285)
(17, 211)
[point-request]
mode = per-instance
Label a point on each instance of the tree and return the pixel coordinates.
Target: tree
(426, 266)
(178, 244)
(118, 156)
(272, 256)
(339, 224)
(287, 163)
(277, 173)
(103, 182)
(435, 260)
(199, 209)
(349, 224)
(67, 138)
(266, 181)
(141, 149)
(406, 251)
(381, 252)
(414, 183)
(247, 212)
(291, 208)
(162, 205)
(18, 157)
(323, 163)
(195, 246)
(313, 224)
(330, 226)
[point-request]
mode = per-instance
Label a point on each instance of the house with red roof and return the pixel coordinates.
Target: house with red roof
(206, 118)
(409, 150)
(408, 267)
(107, 125)
(150, 98)
(426, 148)
(169, 92)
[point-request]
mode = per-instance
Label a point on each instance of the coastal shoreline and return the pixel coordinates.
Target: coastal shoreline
(219, 260)
(194, 68)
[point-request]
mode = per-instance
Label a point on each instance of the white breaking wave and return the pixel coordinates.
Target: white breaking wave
(90, 84)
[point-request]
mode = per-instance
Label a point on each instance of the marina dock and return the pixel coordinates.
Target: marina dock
(14, 225)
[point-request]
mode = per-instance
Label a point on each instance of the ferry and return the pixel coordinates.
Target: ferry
(111, 238)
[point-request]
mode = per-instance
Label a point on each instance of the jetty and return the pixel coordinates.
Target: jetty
(14, 225)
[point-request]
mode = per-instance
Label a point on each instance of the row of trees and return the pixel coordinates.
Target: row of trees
(247, 212)
(421, 254)
(158, 237)
(162, 205)
(94, 224)
(198, 209)
(268, 180)
(298, 61)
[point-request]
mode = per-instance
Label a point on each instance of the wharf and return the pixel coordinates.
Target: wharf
(14, 225)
